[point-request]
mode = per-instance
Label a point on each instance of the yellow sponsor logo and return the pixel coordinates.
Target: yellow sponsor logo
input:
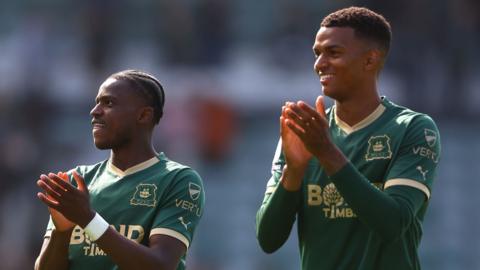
(332, 201)
(135, 233)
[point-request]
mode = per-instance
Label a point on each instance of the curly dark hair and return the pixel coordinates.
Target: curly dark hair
(149, 87)
(366, 23)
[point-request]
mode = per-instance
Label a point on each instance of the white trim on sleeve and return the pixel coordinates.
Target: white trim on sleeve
(171, 233)
(408, 182)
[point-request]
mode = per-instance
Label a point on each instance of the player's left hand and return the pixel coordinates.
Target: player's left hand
(73, 203)
(313, 131)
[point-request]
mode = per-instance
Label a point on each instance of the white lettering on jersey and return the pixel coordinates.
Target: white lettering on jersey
(189, 206)
(425, 152)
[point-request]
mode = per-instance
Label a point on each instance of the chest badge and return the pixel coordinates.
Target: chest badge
(145, 194)
(379, 148)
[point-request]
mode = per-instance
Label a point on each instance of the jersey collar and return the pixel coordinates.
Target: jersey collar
(136, 168)
(365, 122)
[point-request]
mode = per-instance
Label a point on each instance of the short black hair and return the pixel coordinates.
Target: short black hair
(148, 85)
(366, 24)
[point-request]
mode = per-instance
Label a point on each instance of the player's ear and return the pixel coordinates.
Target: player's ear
(145, 115)
(373, 60)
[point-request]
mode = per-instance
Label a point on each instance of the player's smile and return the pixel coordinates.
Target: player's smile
(97, 125)
(326, 78)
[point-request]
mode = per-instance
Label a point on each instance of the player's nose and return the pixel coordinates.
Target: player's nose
(320, 64)
(96, 111)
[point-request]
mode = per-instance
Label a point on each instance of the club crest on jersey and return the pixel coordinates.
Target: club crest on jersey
(145, 194)
(379, 148)
(430, 137)
(194, 191)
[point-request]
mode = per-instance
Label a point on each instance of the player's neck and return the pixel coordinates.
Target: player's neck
(354, 110)
(124, 158)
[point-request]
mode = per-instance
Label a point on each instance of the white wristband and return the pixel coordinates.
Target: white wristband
(96, 228)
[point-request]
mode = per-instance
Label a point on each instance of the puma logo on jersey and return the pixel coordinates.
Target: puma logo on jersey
(424, 173)
(183, 223)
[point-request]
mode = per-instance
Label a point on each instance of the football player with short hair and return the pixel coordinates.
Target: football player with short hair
(357, 176)
(136, 210)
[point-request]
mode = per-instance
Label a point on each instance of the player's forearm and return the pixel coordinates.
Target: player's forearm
(54, 253)
(275, 218)
(389, 215)
(292, 179)
(129, 255)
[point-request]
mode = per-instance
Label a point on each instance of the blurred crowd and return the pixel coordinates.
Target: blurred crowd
(227, 66)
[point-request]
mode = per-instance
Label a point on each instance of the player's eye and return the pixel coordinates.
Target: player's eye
(335, 53)
(105, 102)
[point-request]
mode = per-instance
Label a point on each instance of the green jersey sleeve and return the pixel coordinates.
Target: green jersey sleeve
(179, 213)
(418, 156)
(277, 168)
(277, 213)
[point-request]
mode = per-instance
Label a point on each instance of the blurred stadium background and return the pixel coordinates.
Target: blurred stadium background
(227, 67)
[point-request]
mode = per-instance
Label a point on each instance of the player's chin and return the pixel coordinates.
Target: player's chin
(101, 144)
(328, 91)
(331, 92)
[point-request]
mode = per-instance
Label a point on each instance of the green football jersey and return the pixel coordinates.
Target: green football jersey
(392, 147)
(158, 196)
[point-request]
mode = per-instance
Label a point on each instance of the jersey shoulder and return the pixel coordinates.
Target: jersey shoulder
(178, 173)
(417, 128)
(88, 172)
(407, 118)
(87, 169)
(178, 168)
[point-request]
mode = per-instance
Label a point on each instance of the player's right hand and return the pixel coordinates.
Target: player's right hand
(61, 223)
